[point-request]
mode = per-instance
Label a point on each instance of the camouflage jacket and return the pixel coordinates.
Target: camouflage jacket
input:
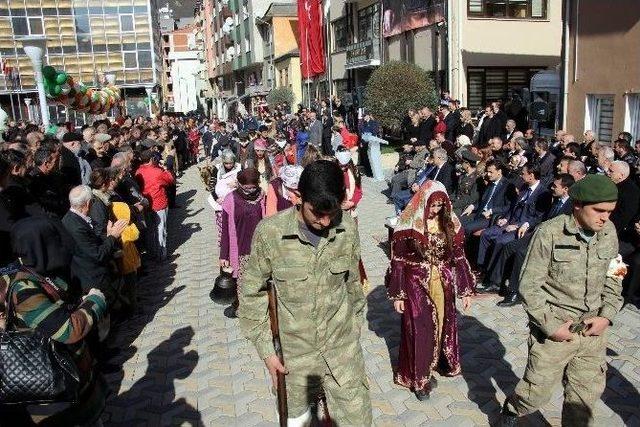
(564, 277)
(320, 299)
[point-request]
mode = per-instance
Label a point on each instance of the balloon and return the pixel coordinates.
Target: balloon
(49, 72)
(61, 77)
(57, 90)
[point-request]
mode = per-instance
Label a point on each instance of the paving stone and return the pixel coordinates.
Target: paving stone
(184, 363)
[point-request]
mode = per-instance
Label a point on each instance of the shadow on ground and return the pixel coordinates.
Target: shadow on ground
(154, 292)
(153, 396)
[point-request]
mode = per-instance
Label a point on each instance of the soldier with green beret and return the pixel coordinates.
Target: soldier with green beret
(311, 252)
(571, 285)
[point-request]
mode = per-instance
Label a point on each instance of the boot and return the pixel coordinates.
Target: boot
(508, 418)
(510, 300)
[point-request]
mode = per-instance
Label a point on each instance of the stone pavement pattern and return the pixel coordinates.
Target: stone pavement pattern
(184, 363)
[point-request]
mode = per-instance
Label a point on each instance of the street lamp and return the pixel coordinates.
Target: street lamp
(27, 102)
(34, 46)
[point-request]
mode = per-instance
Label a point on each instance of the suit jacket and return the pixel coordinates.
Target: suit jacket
(547, 166)
(70, 169)
(416, 164)
(452, 121)
(531, 210)
(501, 200)
(565, 209)
(627, 207)
(445, 176)
(426, 130)
(315, 133)
(92, 255)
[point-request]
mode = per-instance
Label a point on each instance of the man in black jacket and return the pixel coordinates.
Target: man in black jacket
(628, 205)
(69, 163)
(92, 254)
(426, 126)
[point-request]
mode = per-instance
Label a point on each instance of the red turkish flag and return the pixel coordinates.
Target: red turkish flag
(310, 19)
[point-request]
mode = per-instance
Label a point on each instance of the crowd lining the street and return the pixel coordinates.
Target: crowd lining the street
(88, 209)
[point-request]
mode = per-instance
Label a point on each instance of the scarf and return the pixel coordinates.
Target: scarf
(249, 195)
(413, 220)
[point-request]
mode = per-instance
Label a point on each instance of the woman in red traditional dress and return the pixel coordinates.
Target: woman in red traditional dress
(428, 269)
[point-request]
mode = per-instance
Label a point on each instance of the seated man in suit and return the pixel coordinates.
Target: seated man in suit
(495, 200)
(512, 255)
(92, 254)
(524, 214)
(402, 197)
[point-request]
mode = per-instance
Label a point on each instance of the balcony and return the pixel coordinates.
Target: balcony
(363, 54)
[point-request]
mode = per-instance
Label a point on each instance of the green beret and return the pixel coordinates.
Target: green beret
(594, 189)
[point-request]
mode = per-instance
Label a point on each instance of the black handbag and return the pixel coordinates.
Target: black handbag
(34, 369)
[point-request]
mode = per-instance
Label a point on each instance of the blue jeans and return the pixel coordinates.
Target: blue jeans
(401, 199)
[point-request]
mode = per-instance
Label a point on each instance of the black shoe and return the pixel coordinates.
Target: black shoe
(231, 312)
(489, 288)
(422, 395)
(509, 301)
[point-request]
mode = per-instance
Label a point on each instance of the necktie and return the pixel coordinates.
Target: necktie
(527, 194)
(493, 190)
(555, 209)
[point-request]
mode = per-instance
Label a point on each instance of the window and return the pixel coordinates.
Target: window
(485, 85)
(20, 26)
(82, 24)
(84, 42)
(369, 23)
(632, 115)
(144, 58)
(512, 9)
(598, 116)
(130, 60)
(126, 23)
(340, 34)
(35, 26)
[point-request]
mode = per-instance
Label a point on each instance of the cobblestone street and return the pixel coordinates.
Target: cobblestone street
(185, 363)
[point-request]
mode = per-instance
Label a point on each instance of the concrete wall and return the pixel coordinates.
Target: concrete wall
(501, 42)
(186, 82)
(607, 45)
(295, 76)
(285, 34)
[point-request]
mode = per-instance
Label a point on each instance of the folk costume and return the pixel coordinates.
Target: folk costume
(428, 269)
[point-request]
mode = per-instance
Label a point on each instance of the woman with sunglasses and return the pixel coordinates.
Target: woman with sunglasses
(428, 269)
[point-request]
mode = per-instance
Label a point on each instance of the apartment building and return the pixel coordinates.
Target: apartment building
(602, 75)
(366, 33)
(495, 47)
(85, 38)
(281, 62)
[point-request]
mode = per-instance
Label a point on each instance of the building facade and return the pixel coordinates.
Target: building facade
(86, 39)
(281, 63)
(496, 47)
(603, 68)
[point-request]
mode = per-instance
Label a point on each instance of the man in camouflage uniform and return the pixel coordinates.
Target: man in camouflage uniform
(311, 253)
(571, 287)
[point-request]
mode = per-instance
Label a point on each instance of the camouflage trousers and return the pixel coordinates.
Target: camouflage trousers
(581, 366)
(348, 402)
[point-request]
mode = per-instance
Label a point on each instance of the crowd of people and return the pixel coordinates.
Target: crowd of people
(83, 213)
(87, 212)
(504, 181)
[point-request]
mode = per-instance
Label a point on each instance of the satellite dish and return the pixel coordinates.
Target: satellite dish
(231, 51)
(226, 29)
(229, 21)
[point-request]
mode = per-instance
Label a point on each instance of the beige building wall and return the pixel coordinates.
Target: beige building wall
(285, 34)
(292, 65)
(488, 42)
(608, 59)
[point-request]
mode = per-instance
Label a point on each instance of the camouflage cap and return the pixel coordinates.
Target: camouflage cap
(594, 189)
